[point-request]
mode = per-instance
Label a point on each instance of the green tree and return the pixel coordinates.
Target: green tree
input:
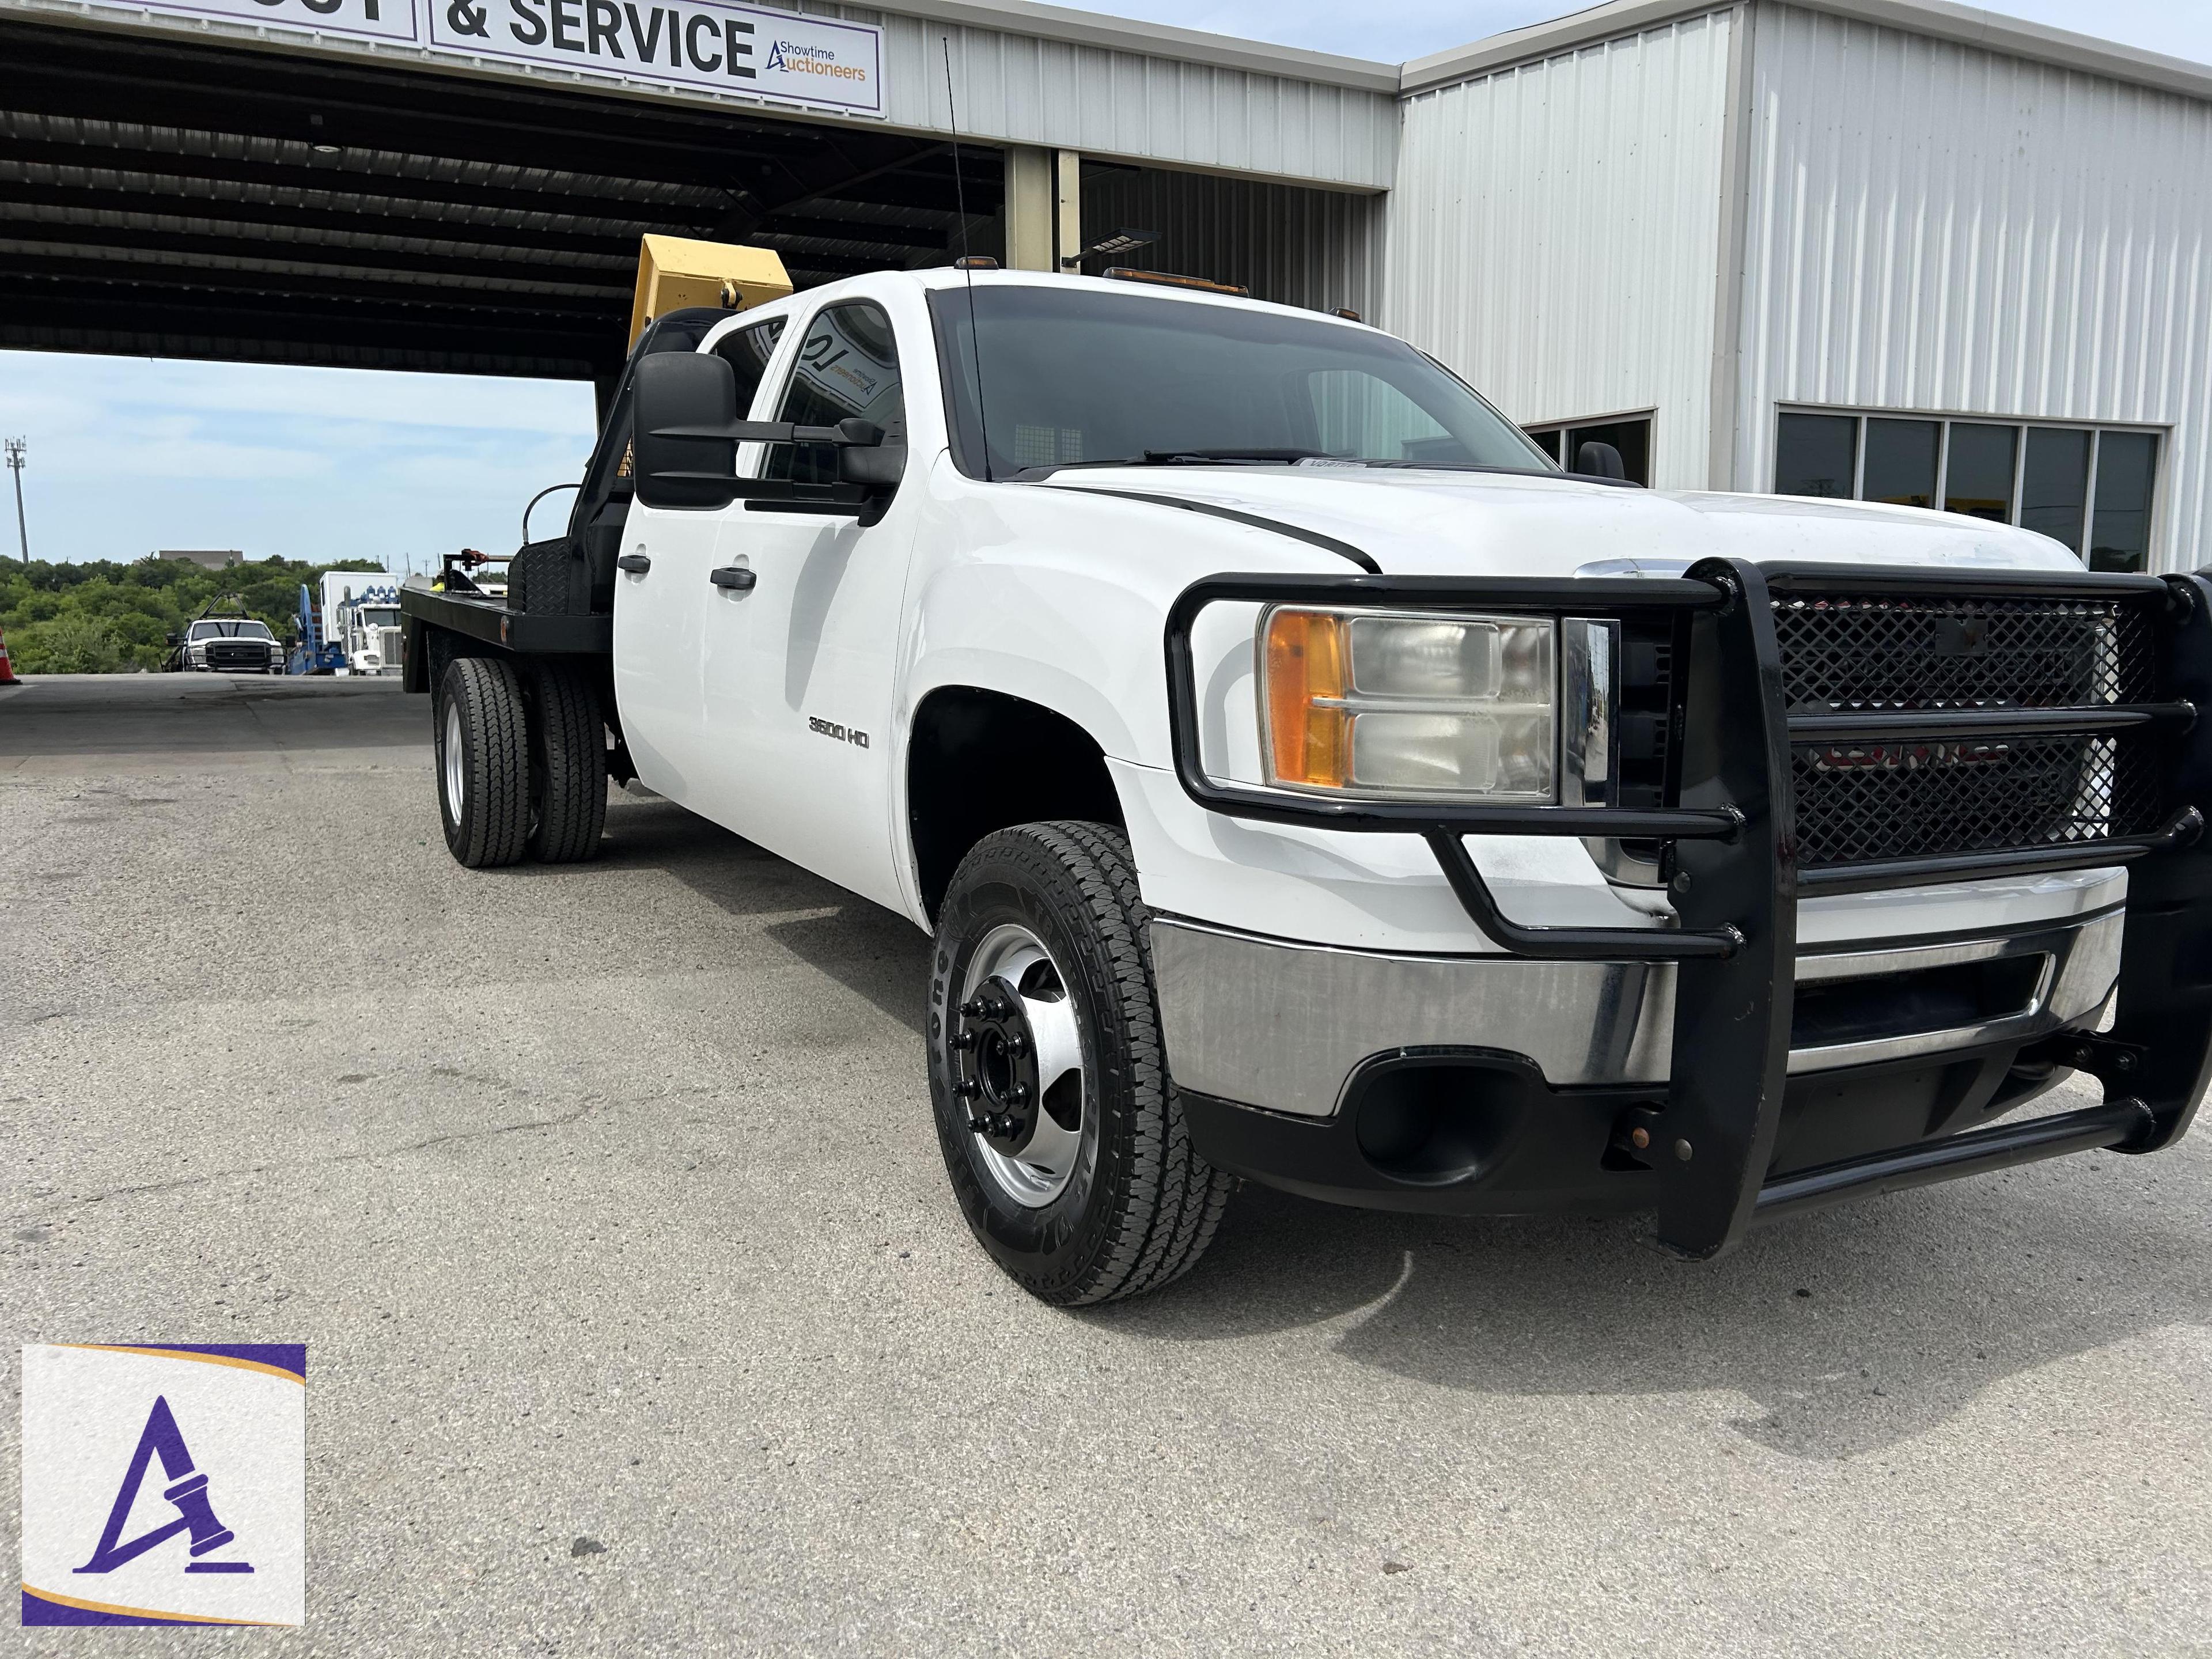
(71, 644)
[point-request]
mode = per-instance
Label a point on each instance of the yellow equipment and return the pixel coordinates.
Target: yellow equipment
(675, 271)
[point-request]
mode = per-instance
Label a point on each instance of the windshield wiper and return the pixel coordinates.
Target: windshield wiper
(1205, 457)
(1178, 458)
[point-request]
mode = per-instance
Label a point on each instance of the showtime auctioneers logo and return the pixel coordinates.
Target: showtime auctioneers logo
(165, 1484)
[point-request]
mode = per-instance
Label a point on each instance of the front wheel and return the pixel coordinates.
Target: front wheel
(1063, 1136)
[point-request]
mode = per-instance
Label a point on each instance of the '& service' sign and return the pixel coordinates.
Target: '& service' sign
(710, 46)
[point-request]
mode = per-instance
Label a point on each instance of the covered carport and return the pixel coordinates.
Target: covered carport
(187, 199)
(213, 178)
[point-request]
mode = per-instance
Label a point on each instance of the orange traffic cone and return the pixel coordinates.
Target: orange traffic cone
(7, 672)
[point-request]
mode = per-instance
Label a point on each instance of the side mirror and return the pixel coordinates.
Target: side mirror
(876, 460)
(176, 638)
(1597, 460)
(677, 389)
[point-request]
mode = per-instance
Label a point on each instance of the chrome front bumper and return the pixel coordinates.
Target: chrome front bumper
(1277, 1024)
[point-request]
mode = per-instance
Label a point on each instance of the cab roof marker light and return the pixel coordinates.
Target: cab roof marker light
(1171, 279)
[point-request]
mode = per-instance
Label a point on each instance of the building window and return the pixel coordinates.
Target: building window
(2087, 487)
(1901, 462)
(1818, 455)
(1630, 434)
(2054, 495)
(2119, 528)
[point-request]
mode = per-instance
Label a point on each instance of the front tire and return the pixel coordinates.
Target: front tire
(1063, 1136)
(483, 763)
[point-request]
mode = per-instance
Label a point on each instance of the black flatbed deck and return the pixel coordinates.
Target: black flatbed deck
(485, 616)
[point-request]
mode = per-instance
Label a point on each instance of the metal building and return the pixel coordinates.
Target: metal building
(1904, 251)
(1897, 249)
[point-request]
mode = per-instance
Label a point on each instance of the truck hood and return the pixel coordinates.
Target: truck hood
(1439, 524)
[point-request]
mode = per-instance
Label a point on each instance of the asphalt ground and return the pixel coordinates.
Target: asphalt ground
(607, 1202)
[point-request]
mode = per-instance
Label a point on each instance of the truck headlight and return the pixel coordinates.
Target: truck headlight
(1381, 703)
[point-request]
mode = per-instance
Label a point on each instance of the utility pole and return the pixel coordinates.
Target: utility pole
(15, 465)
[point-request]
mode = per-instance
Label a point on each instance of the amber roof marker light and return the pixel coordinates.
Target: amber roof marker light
(1172, 279)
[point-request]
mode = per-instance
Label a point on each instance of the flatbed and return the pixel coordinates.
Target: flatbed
(489, 617)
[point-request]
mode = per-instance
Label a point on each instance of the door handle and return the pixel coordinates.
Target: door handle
(735, 577)
(637, 564)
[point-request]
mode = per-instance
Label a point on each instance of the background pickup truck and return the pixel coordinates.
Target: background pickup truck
(1302, 779)
(227, 645)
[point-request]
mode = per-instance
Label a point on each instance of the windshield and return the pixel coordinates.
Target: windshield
(1072, 376)
(230, 630)
(383, 616)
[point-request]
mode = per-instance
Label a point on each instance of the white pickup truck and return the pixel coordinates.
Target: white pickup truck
(1304, 780)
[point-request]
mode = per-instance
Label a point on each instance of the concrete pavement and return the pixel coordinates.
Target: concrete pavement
(607, 1202)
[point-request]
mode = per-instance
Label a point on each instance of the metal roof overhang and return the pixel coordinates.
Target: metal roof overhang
(229, 200)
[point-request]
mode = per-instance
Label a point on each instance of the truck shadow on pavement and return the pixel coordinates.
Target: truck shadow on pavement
(882, 957)
(1850, 1330)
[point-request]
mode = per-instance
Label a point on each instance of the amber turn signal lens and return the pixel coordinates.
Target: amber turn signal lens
(1306, 663)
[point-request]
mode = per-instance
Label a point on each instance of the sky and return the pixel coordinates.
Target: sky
(129, 455)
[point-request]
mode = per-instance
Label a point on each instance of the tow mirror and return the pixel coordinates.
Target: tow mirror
(869, 457)
(684, 433)
(683, 389)
(1597, 460)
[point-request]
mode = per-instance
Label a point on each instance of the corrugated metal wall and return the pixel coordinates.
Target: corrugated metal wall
(1035, 91)
(1555, 234)
(1322, 248)
(1936, 227)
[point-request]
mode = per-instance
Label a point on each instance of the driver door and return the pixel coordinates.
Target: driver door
(664, 600)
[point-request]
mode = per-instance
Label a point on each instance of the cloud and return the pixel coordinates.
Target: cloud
(56, 382)
(189, 455)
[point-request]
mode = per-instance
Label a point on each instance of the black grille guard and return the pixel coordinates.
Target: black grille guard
(1731, 836)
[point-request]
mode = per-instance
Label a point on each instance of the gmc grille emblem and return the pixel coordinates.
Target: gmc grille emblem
(1962, 636)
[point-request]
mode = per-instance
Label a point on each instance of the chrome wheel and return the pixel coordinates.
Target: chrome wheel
(456, 761)
(1017, 1066)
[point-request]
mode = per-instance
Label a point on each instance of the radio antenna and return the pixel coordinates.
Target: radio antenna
(967, 263)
